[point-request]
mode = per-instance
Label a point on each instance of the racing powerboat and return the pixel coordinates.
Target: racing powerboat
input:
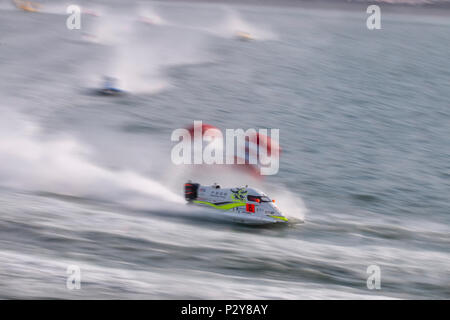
(245, 205)
(28, 6)
(243, 36)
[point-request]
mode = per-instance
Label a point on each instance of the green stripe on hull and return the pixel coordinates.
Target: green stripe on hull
(227, 206)
(279, 217)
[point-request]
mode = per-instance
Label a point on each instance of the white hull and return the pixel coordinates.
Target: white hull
(243, 205)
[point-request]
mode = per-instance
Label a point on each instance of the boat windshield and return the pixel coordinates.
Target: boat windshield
(258, 199)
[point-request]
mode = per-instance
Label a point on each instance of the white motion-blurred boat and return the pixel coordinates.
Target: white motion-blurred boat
(245, 205)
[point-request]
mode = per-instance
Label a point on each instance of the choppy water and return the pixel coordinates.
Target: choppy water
(364, 123)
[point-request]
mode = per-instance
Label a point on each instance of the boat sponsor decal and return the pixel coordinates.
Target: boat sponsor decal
(221, 205)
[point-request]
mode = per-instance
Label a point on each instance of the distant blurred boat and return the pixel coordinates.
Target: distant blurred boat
(147, 20)
(110, 88)
(27, 5)
(111, 92)
(243, 36)
(91, 12)
(89, 37)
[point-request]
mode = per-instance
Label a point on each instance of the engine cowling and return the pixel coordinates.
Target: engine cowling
(191, 191)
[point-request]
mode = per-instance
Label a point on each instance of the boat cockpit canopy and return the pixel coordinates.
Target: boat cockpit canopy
(258, 198)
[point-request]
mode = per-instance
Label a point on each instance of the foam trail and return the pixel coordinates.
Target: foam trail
(148, 15)
(291, 205)
(33, 161)
(111, 29)
(234, 23)
(229, 27)
(137, 70)
(139, 65)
